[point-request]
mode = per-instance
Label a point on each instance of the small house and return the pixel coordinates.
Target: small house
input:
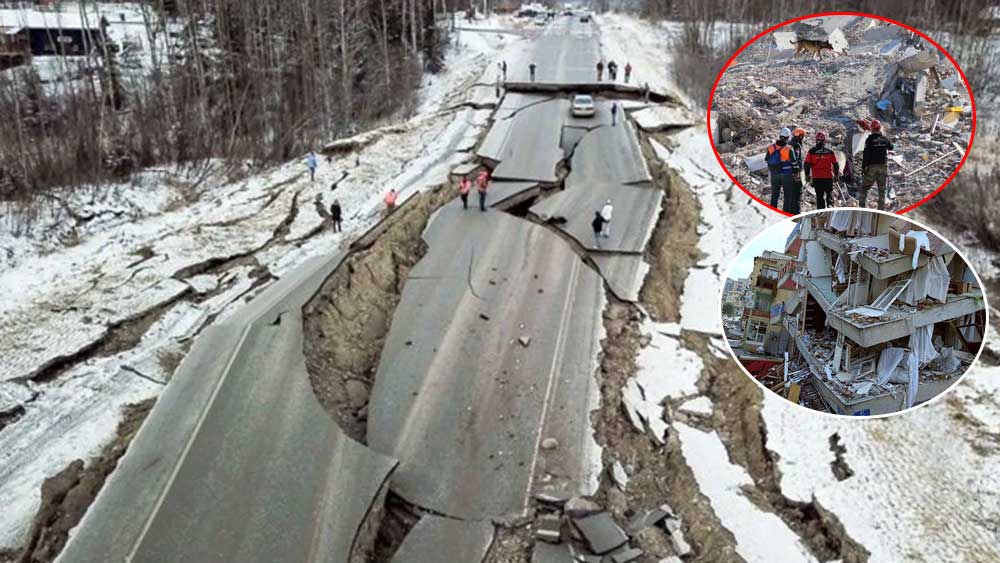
(50, 33)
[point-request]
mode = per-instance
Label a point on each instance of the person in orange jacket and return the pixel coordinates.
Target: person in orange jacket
(482, 181)
(390, 200)
(464, 185)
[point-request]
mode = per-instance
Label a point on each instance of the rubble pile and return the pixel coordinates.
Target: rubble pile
(861, 381)
(885, 73)
(578, 529)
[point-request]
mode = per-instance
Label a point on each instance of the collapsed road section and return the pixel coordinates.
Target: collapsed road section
(209, 474)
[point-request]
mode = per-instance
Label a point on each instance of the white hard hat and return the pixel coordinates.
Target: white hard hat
(785, 132)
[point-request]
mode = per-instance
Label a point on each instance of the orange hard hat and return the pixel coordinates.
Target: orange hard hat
(799, 132)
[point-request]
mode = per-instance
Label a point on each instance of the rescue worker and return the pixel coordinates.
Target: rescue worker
(781, 163)
(798, 136)
(311, 164)
(600, 70)
(464, 186)
(598, 225)
(482, 181)
(873, 161)
(531, 70)
(606, 212)
(821, 168)
(390, 200)
(628, 71)
(335, 214)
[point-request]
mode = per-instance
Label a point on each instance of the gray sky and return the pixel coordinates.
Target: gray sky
(771, 239)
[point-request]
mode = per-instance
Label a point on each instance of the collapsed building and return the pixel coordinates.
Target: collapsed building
(870, 315)
(871, 69)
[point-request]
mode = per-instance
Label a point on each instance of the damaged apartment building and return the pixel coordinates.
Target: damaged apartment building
(865, 313)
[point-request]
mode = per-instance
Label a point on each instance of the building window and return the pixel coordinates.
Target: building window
(756, 330)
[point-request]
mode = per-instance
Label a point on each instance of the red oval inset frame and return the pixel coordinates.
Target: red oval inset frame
(752, 41)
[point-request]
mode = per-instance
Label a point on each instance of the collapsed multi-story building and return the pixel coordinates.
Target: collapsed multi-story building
(882, 316)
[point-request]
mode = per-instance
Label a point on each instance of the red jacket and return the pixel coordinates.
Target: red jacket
(821, 163)
(464, 185)
(484, 178)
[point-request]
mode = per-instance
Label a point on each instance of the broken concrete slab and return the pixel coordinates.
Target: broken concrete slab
(619, 474)
(503, 194)
(636, 210)
(601, 532)
(543, 552)
(756, 163)
(175, 487)
(661, 118)
(423, 403)
(624, 273)
(464, 169)
(548, 528)
(527, 145)
(646, 519)
(463, 540)
(579, 507)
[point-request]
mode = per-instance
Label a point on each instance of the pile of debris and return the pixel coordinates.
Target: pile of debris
(578, 529)
(886, 73)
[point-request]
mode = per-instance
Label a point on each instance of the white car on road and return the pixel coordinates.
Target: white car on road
(583, 106)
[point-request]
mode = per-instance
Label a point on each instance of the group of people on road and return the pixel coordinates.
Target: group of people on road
(787, 165)
(612, 67)
(482, 184)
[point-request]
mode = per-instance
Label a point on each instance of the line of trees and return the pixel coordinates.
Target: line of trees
(240, 80)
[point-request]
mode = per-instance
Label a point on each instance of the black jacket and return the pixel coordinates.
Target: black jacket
(876, 148)
(335, 212)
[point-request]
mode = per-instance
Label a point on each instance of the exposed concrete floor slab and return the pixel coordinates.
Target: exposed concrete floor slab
(551, 553)
(458, 398)
(208, 479)
(464, 541)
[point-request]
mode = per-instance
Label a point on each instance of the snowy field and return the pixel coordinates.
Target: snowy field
(99, 261)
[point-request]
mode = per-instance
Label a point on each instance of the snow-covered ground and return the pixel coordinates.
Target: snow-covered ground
(141, 249)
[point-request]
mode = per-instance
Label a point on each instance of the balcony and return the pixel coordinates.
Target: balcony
(767, 283)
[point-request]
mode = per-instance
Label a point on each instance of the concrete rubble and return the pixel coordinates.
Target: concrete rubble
(582, 530)
(883, 72)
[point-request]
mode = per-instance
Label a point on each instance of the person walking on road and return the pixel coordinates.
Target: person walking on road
(612, 71)
(464, 186)
(531, 70)
(821, 168)
(503, 69)
(482, 182)
(598, 225)
(614, 113)
(780, 158)
(873, 165)
(606, 212)
(311, 164)
(600, 70)
(390, 200)
(335, 215)
(628, 71)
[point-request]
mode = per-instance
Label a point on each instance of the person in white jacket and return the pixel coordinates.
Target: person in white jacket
(606, 214)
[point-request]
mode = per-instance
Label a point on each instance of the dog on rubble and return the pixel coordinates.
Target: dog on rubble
(813, 47)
